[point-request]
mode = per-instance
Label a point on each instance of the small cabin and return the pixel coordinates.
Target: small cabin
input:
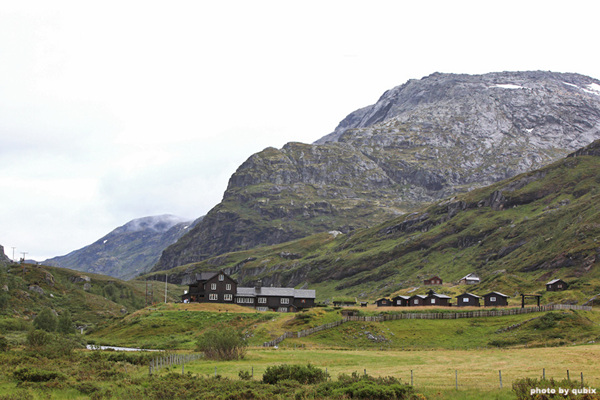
(416, 300)
(344, 303)
(383, 302)
(436, 299)
(467, 300)
(434, 280)
(400, 301)
(556, 285)
(470, 279)
(494, 299)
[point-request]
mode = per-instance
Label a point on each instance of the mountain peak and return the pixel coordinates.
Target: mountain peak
(156, 223)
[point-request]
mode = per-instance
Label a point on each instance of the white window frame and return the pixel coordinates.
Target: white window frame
(228, 286)
(228, 297)
(221, 277)
(465, 299)
(262, 300)
(492, 298)
(284, 300)
(398, 302)
(262, 308)
(283, 309)
(213, 297)
(213, 286)
(416, 301)
(432, 301)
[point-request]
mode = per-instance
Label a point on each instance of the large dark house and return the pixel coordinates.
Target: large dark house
(556, 285)
(218, 287)
(467, 299)
(495, 299)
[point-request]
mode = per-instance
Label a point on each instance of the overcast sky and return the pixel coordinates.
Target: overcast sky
(116, 110)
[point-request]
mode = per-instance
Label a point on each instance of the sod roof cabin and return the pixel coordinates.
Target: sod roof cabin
(467, 299)
(400, 301)
(416, 300)
(556, 285)
(383, 302)
(437, 299)
(493, 299)
(434, 280)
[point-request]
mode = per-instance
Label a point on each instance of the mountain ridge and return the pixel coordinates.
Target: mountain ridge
(422, 141)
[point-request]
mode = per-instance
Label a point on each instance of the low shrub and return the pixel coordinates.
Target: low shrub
(4, 346)
(308, 374)
(222, 344)
(523, 389)
(27, 374)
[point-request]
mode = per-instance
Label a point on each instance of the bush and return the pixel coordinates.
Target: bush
(306, 375)
(522, 388)
(245, 375)
(65, 323)
(37, 338)
(4, 346)
(224, 344)
(46, 320)
(357, 386)
(27, 374)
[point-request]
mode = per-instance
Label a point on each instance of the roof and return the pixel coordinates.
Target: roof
(204, 276)
(383, 298)
(470, 276)
(434, 277)
(554, 281)
(440, 296)
(468, 294)
(496, 293)
(418, 295)
(401, 297)
(275, 291)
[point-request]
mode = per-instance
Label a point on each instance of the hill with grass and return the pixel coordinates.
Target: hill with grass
(26, 289)
(516, 235)
(420, 142)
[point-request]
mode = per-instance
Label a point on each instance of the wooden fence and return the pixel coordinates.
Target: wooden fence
(447, 315)
(172, 359)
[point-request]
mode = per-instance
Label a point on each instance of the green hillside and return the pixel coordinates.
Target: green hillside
(516, 235)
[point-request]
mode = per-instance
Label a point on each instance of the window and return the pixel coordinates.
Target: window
(221, 277)
(245, 300)
(432, 301)
(262, 308)
(262, 300)
(228, 286)
(416, 301)
(213, 286)
(399, 302)
(283, 309)
(559, 286)
(228, 297)
(213, 296)
(285, 300)
(240, 299)
(492, 299)
(465, 299)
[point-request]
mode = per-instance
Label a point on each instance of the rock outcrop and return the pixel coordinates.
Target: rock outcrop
(422, 141)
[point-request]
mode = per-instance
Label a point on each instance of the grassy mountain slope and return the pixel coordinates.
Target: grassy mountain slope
(90, 298)
(516, 235)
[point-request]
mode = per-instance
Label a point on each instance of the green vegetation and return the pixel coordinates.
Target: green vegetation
(222, 344)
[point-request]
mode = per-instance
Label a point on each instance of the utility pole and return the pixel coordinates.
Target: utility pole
(13, 254)
(166, 275)
(24, 254)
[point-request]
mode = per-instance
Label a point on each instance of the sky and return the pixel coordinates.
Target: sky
(116, 110)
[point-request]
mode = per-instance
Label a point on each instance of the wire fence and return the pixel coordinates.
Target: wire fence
(439, 315)
(170, 360)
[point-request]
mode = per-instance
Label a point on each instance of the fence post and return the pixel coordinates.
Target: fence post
(456, 378)
(582, 380)
(544, 373)
(411, 377)
(500, 375)
(568, 376)
(215, 372)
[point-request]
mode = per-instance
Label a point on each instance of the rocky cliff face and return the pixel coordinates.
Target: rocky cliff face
(3, 257)
(129, 250)
(420, 142)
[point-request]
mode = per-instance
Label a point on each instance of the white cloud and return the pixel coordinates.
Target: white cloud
(116, 110)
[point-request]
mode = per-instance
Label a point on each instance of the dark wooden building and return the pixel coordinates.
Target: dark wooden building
(556, 285)
(470, 279)
(467, 299)
(383, 302)
(416, 300)
(434, 280)
(218, 287)
(400, 301)
(436, 299)
(493, 299)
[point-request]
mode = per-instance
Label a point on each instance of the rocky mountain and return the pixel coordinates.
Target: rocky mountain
(422, 141)
(3, 257)
(129, 250)
(516, 235)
